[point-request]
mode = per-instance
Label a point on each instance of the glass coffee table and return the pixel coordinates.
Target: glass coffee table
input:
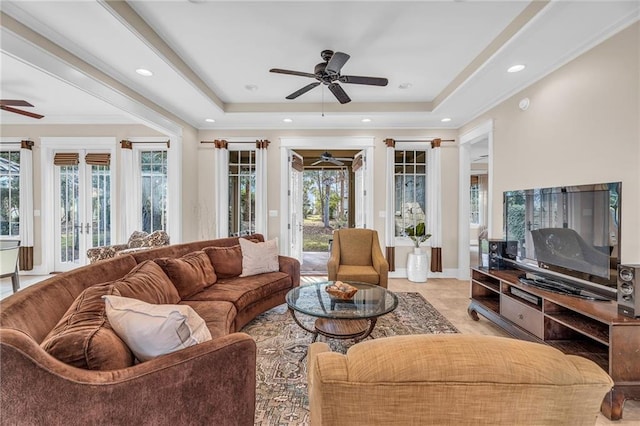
(353, 318)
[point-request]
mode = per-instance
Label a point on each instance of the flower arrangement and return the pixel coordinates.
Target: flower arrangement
(417, 233)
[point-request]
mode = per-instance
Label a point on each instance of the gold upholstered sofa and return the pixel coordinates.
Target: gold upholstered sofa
(453, 380)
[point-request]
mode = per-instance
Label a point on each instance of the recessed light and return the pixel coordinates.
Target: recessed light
(144, 72)
(209, 120)
(287, 120)
(405, 85)
(446, 120)
(251, 87)
(366, 120)
(516, 68)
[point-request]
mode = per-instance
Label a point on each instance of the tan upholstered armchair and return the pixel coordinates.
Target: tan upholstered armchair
(356, 256)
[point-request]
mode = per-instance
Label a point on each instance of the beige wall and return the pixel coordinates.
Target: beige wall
(277, 189)
(582, 127)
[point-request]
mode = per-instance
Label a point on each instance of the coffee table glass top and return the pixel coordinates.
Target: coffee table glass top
(370, 301)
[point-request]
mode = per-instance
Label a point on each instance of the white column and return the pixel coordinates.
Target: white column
(261, 224)
(221, 189)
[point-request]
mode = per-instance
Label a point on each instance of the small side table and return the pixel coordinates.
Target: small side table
(417, 266)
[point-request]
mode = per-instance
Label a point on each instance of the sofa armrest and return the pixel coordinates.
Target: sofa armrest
(106, 252)
(334, 261)
(209, 383)
(380, 264)
(290, 266)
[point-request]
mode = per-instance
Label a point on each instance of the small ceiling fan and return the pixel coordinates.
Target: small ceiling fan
(327, 157)
(328, 73)
(7, 104)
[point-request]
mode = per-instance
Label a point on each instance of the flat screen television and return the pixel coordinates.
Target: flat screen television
(571, 233)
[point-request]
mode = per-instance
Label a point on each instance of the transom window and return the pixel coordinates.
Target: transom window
(410, 174)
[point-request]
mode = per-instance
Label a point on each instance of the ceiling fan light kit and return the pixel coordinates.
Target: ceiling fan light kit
(328, 73)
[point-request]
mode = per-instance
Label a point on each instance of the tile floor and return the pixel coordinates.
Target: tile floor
(449, 296)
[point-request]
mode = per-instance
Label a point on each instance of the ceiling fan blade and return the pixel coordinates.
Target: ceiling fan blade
(304, 90)
(298, 73)
(15, 102)
(336, 62)
(21, 112)
(371, 81)
(336, 162)
(340, 94)
(316, 163)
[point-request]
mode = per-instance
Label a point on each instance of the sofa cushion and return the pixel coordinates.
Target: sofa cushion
(243, 291)
(153, 330)
(218, 315)
(84, 338)
(149, 283)
(358, 273)
(258, 257)
(190, 274)
(226, 261)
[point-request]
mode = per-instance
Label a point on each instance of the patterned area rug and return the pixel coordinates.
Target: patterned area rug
(281, 377)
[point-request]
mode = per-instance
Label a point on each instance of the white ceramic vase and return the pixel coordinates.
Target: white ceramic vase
(417, 266)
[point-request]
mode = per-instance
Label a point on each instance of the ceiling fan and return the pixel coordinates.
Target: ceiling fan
(327, 157)
(7, 104)
(328, 73)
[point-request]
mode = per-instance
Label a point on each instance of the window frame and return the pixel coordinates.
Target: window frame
(398, 240)
(13, 147)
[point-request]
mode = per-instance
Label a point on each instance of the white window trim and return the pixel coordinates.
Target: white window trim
(174, 183)
(48, 146)
(399, 241)
(365, 143)
(14, 144)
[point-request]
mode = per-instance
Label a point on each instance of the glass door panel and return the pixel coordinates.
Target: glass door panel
(83, 210)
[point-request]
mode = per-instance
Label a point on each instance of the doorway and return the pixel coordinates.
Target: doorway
(328, 203)
(475, 197)
(301, 153)
(82, 205)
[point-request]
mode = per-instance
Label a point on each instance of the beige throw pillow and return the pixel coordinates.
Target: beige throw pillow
(258, 258)
(154, 330)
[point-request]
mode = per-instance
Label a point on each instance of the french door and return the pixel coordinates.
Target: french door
(296, 216)
(82, 213)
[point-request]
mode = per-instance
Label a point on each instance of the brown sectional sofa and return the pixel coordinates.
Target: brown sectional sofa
(209, 383)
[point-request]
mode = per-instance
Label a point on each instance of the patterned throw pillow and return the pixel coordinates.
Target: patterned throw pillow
(137, 239)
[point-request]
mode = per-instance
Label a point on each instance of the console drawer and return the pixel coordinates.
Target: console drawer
(523, 316)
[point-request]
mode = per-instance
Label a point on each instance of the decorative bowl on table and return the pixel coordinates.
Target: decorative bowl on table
(340, 290)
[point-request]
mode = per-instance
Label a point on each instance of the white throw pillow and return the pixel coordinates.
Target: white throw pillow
(154, 330)
(258, 258)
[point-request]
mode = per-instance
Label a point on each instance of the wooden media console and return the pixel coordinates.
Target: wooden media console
(592, 329)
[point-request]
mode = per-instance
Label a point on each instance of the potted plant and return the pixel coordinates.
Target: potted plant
(418, 234)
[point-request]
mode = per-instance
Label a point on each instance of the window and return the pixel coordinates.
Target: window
(410, 179)
(153, 170)
(474, 196)
(10, 193)
(242, 192)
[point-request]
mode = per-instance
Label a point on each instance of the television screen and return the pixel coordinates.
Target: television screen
(570, 230)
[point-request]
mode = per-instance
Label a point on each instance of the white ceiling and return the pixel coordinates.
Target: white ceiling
(204, 54)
